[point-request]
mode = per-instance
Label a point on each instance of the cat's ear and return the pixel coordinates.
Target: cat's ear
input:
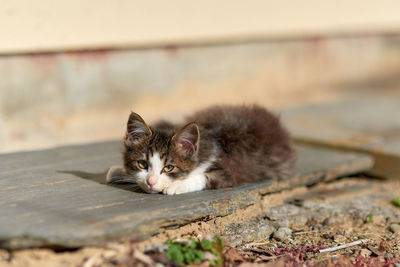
(186, 140)
(136, 130)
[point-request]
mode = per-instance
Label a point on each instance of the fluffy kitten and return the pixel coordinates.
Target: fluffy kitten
(220, 147)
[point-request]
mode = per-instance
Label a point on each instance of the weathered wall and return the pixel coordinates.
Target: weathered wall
(50, 99)
(48, 25)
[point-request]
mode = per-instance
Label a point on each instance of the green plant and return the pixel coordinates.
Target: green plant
(191, 252)
(396, 201)
(370, 217)
(216, 248)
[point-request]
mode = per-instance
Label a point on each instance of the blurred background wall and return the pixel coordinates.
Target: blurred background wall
(71, 71)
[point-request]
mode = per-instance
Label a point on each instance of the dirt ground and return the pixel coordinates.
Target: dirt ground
(283, 229)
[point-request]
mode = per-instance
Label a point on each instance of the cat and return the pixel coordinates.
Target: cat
(221, 146)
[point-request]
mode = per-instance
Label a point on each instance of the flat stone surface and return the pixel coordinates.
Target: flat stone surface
(370, 125)
(55, 198)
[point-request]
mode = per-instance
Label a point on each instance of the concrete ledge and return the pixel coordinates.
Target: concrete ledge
(368, 125)
(54, 198)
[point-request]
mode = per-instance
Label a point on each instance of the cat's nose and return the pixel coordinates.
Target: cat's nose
(151, 180)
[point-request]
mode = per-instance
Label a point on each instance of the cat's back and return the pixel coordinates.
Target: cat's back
(252, 143)
(250, 126)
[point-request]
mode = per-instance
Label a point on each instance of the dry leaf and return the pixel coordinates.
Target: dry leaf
(233, 256)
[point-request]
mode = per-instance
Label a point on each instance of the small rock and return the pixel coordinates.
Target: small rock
(328, 236)
(283, 234)
(339, 238)
(334, 221)
(233, 256)
(238, 233)
(395, 228)
(156, 248)
(379, 219)
(209, 256)
(326, 222)
(376, 252)
(281, 223)
(298, 220)
(365, 253)
(282, 212)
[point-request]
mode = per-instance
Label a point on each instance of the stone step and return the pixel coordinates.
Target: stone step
(58, 198)
(368, 125)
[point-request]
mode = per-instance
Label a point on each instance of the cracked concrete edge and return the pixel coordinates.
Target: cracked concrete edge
(383, 164)
(237, 200)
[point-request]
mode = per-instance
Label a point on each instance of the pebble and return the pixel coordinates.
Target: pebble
(326, 222)
(333, 221)
(339, 238)
(282, 212)
(328, 236)
(395, 228)
(283, 234)
(365, 253)
(237, 233)
(379, 219)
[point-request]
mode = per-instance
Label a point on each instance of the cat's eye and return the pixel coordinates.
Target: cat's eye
(168, 168)
(142, 164)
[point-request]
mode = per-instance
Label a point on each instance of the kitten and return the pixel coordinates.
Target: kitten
(221, 146)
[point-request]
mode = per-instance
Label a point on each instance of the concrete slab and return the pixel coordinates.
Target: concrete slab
(370, 125)
(55, 198)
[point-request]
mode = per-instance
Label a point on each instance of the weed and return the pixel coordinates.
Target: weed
(370, 217)
(396, 201)
(183, 253)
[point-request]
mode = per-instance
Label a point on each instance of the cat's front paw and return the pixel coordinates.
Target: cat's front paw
(177, 187)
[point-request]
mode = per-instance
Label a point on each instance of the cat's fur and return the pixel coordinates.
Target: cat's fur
(221, 146)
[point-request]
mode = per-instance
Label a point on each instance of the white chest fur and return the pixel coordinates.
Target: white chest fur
(195, 181)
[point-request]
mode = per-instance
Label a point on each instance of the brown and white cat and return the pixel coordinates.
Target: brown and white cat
(221, 146)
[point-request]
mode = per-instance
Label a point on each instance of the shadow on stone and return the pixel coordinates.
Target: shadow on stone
(101, 179)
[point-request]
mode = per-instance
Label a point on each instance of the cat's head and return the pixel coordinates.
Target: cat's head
(156, 157)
